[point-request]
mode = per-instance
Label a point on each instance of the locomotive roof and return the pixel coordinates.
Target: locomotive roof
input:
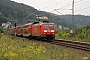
(28, 23)
(47, 23)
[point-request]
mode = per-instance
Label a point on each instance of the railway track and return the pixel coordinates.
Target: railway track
(76, 45)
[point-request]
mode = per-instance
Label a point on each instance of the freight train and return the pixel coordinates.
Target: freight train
(39, 30)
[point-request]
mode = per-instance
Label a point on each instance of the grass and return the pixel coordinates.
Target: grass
(14, 48)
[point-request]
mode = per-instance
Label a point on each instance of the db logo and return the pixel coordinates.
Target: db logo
(48, 30)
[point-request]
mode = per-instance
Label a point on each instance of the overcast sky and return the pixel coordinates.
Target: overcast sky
(81, 6)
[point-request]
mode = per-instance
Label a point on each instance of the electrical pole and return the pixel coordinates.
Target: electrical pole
(23, 18)
(73, 15)
(72, 32)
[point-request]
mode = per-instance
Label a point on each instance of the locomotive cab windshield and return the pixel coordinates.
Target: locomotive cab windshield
(46, 26)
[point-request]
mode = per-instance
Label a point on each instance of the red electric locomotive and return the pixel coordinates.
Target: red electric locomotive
(44, 30)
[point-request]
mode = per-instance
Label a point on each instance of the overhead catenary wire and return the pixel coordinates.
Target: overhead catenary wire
(78, 1)
(82, 9)
(44, 8)
(62, 14)
(61, 8)
(75, 5)
(82, 3)
(32, 13)
(68, 4)
(54, 4)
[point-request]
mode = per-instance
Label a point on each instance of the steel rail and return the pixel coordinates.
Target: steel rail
(73, 44)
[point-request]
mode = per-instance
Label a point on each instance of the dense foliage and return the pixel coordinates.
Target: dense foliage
(80, 34)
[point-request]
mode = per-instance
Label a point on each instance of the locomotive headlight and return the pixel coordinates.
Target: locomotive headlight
(52, 30)
(45, 30)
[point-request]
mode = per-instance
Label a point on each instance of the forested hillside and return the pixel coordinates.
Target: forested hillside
(11, 11)
(79, 20)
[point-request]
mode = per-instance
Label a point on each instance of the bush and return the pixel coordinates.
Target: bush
(1, 30)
